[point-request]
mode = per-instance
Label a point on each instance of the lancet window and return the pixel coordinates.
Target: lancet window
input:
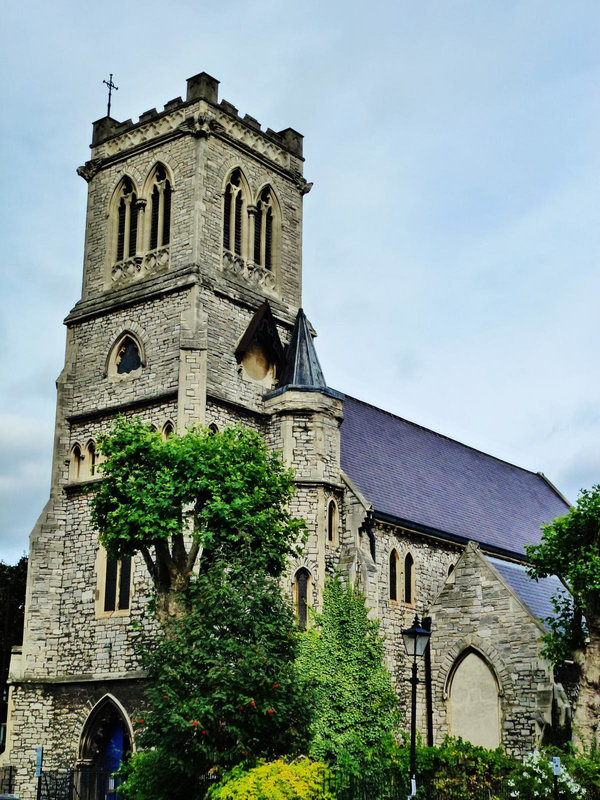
(301, 587)
(332, 523)
(160, 209)
(409, 579)
(127, 219)
(234, 210)
(393, 575)
(91, 458)
(75, 463)
(263, 229)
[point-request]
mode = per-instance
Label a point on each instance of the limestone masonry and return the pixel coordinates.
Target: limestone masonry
(191, 314)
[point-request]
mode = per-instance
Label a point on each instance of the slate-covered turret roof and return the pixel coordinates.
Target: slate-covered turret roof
(429, 482)
(302, 368)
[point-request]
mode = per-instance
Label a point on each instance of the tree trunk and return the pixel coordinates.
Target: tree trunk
(586, 719)
(170, 605)
(171, 585)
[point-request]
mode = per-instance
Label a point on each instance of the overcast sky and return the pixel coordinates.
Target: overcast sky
(451, 240)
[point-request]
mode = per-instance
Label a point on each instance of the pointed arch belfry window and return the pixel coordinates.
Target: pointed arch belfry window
(264, 229)
(160, 209)
(127, 221)
(234, 213)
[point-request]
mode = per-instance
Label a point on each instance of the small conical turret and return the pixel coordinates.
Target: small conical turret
(302, 369)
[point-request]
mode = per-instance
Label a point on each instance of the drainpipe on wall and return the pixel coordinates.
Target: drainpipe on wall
(428, 685)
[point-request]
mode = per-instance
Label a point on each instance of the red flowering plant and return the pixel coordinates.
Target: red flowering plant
(224, 688)
(210, 515)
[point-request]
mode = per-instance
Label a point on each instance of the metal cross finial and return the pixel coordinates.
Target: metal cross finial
(111, 86)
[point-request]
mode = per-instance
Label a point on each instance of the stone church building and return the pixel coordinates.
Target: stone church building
(191, 314)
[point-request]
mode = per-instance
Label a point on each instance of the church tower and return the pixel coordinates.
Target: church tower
(189, 314)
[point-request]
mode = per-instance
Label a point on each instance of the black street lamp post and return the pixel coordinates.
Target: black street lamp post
(416, 639)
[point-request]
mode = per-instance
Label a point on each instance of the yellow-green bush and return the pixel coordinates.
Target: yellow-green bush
(300, 779)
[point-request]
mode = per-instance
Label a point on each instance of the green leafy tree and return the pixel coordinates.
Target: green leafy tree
(223, 687)
(355, 706)
(209, 513)
(13, 580)
(570, 549)
(190, 501)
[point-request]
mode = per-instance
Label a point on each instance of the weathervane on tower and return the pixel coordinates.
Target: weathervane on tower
(111, 86)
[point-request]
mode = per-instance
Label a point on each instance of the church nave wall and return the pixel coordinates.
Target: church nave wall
(476, 612)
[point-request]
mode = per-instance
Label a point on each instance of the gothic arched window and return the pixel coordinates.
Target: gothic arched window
(75, 463)
(234, 213)
(263, 229)
(160, 209)
(301, 589)
(393, 574)
(409, 579)
(91, 458)
(332, 522)
(168, 429)
(127, 219)
(126, 357)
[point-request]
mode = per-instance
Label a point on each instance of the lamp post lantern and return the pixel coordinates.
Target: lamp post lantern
(415, 639)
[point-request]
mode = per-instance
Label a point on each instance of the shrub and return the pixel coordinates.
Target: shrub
(456, 768)
(355, 706)
(533, 779)
(300, 779)
(585, 768)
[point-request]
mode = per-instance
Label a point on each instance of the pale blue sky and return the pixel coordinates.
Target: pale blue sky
(451, 240)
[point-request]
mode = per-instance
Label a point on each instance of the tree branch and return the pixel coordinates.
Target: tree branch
(192, 555)
(179, 551)
(150, 565)
(164, 564)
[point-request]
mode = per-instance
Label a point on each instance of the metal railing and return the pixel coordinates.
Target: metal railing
(86, 784)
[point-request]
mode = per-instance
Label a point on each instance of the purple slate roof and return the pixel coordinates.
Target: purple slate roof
(535, 594)
(416, 475)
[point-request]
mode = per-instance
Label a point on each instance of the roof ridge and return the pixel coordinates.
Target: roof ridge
(448, 438)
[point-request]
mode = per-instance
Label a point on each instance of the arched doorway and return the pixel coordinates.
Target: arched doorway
(474, 703)
(105, 741)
